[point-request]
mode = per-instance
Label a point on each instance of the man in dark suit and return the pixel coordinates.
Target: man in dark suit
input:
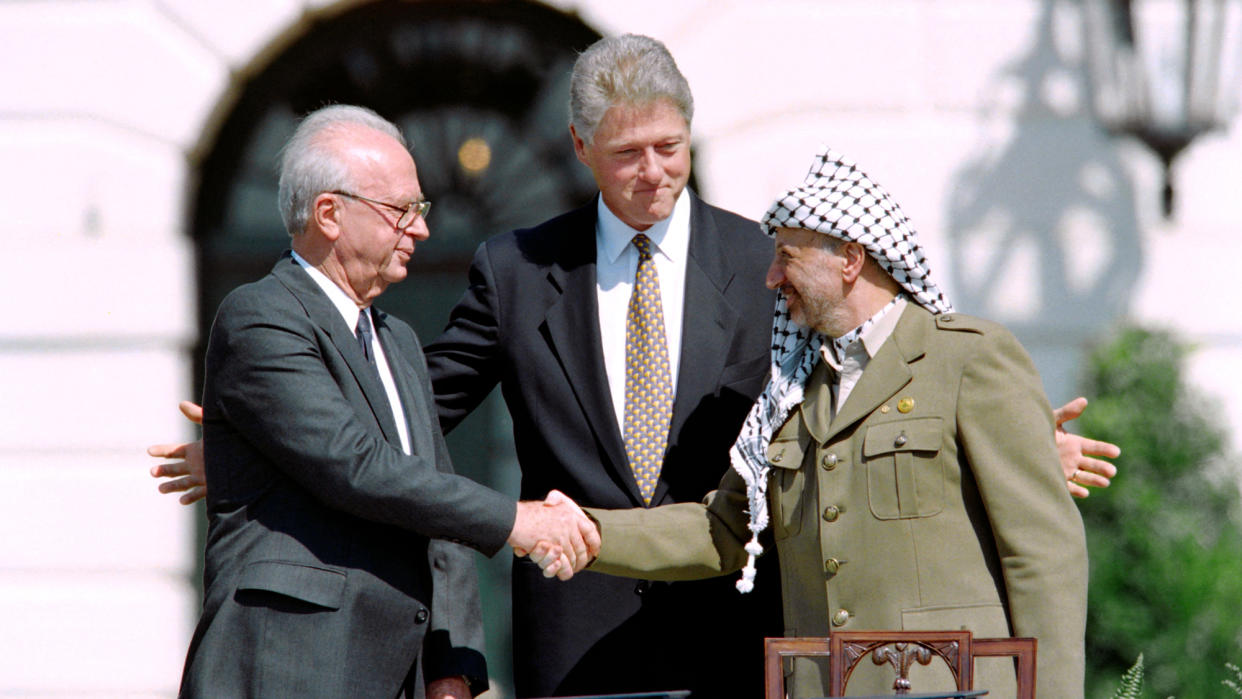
(545, 316)
(332, 503)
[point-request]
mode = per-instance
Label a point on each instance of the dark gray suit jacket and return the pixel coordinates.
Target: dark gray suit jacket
(322, 573)
(530, 322)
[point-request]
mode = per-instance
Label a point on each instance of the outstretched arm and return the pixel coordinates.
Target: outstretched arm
(1078, 453)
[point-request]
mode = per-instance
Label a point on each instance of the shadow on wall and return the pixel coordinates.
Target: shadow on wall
(1041, 226)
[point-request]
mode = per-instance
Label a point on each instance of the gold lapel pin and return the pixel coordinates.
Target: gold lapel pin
(905, 405)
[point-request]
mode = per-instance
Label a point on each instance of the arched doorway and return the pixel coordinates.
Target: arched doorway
(480, 90)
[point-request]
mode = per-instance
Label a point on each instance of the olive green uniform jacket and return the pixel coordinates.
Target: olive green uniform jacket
(934, 500)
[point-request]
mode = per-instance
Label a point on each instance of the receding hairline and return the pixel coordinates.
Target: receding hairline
(350, 143)
(334, 136)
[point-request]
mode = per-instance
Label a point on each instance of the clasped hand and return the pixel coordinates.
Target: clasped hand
(556, 534)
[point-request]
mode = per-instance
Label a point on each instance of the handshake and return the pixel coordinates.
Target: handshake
(556, 534)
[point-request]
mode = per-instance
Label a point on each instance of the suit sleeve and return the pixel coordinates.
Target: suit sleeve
(1006, 432)
(464, 361)
(685, 541)
(272, 384)
(454, 646)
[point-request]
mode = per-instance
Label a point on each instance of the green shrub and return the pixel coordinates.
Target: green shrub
(1131, 686)
(1164, 540)
(1234, 683)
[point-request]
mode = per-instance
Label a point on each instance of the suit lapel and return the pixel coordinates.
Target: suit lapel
(708, 320)
(409, 382)
(571, 327)
(321, 311)
(886, 373)
(816, 405)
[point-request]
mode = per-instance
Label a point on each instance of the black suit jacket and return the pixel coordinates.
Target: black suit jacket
(321, 577)
(529, 321)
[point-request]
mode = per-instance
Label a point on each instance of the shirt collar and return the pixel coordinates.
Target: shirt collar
(670, 235)
(873, 332)
(345, 305)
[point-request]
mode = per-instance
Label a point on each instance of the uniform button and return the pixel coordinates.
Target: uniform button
(840, 616)
(829, 461)
(901, 440)
(421, 616)
(778, 456)
(831, 513)
(642, 587)
(831, 566)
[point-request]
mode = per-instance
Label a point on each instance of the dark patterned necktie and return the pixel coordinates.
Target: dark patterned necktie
(364, 337)
(648, 386)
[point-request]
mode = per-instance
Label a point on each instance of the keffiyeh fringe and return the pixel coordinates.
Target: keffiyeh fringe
(794, 349)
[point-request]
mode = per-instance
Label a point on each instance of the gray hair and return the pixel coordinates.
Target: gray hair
(627, 69)
(310, 165)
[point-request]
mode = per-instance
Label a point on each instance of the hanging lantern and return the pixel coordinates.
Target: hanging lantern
(1164, 71)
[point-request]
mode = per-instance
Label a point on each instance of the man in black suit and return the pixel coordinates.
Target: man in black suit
(545, 316)
(332, 563)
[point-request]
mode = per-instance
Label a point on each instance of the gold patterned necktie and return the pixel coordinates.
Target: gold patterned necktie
(648, 386)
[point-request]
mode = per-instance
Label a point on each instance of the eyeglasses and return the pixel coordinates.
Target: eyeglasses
(409, 213)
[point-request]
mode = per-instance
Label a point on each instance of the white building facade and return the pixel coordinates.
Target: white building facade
(973, 113)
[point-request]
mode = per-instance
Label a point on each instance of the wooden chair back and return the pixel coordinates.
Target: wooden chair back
(845, 649)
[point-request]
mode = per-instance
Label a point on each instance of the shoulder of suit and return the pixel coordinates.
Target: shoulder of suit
(264, 301)
(961, 322)
(571, 220)
(742, 239)
(265, 291)
(726, 216)
(569, 234)
(728, 221)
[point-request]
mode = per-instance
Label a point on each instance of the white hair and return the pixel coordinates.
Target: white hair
(308, 166)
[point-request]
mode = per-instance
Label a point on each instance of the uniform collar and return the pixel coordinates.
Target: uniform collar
(873, 333)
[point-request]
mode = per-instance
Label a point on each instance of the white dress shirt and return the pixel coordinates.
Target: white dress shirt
(349, 311)
(616, 262)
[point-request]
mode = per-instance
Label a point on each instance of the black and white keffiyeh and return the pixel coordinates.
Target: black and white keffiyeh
(839, 200)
